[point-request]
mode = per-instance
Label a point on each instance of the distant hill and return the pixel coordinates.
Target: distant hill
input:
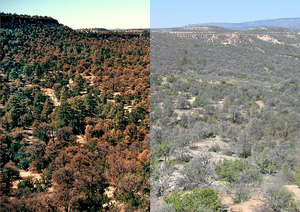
(292, 23)
(8, 20)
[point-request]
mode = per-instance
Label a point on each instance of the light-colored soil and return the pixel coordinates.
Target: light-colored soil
(247, 206)
(110, 100)
(156, 204)
(226, 200)
(28, 131)
(209, 142)
(90, 79)
(180, 112)
(128, 108)
(164, 80)
(80, 139)
(192, 99)
(110, 194)
(260, 103)
(295, 189)
(51, 93)
(70, 83)
(25, 174)
(268, 39)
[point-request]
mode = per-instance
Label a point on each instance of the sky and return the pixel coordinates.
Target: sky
(77, 14)
(132, 14)
(177, 13)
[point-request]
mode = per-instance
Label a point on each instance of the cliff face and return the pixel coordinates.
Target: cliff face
(218, 35)
(16, 21)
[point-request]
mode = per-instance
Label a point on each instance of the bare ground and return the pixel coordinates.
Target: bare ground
(192, 99)
(51, 93)
(80, 139)
(209, 142)
(247, 206)
(295, 189)
(260, 103)
(25, 174)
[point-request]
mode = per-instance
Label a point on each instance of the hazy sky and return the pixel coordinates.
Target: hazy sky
(109, 14)
(174, 13)
(113, 14)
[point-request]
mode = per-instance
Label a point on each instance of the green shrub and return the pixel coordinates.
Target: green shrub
(230, 170)
(279, 198)
(204, 199)
(214, 148)
(298, 178)
(266, 163)
(171, 79)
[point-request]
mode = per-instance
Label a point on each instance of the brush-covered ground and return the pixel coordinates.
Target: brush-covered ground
(225, 119)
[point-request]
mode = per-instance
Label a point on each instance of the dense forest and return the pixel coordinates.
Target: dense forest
(75, 117)
(225, 130)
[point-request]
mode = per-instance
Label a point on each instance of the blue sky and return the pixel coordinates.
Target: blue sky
(122, 14)
(175, 13)
(109, 14)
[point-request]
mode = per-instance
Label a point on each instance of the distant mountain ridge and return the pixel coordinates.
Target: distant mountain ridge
(292, 23)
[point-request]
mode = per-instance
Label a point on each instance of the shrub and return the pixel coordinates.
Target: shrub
(237, 171)
(204, 199)
(171, 79)
(215, 148)
(229, 169)
(279, 198)
(298, 178)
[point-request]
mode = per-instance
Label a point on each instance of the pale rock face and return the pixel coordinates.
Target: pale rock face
(268, 38)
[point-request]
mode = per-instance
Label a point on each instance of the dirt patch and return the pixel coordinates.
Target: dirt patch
(260, 103)
(248, 206)
(110, 100)
(90, 79)
(164, 80)
(227, 200)
(70, 83)
(128, 108)
(80, 139)
(192, 99)
(295, 189)
(51, 93)
(109, 191)
(25, 174)
(268, 39)
(156, 204)
(186, 111)
(209, 142)
(179, 112)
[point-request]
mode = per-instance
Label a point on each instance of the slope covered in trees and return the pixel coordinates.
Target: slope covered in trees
(74, 115)
(225, 116)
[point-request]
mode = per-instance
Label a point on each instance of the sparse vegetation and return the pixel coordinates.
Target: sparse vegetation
(234, 94)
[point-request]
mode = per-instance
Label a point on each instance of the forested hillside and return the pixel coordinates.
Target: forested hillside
(225, 119)
(75, 106)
